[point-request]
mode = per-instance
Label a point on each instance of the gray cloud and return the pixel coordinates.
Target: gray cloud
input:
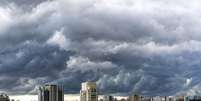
(126, 46)
(24, 3)
(30, 62)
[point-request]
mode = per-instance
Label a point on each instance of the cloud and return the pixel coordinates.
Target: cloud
(22, 2)
(84, 64)
(5, 18)
(59, 39)
(31, 64)
(126, 46)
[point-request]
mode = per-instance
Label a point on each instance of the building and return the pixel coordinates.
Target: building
(134, 98)
(4, 97)
(192, 98)
(88, 92)
(51, 93)
(146, 98)
(160, 98)
(179, 98)
(108, 98)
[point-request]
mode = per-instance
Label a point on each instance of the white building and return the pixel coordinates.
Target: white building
(88, 92)
(108, 98)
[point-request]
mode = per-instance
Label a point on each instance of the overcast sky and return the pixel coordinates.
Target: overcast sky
(150, 47)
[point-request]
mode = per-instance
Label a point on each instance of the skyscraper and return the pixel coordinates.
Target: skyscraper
(51, 93)
(88, 92)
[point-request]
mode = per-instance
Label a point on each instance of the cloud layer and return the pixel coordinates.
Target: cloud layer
(149, 47)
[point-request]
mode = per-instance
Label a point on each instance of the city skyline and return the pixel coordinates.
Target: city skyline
(89, 92)
(147, 47)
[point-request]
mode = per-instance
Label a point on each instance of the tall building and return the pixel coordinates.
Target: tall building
(4, 97)
(88, 92)
(51, 93)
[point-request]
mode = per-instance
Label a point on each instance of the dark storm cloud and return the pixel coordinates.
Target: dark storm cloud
(30, 60)
(126, 46)
(22, 2)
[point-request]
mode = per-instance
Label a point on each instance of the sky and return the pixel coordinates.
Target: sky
(149, 47)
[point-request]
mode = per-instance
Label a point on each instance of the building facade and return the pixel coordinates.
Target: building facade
(108, 98)
(4, 97)
(51, 93)
(88, 92)
(134, 98)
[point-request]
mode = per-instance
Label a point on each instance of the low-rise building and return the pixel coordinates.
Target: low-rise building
(4, 97)
(134, 98)
(108, 98)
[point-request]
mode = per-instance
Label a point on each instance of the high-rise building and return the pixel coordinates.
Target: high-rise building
(51, 93)
(4, 97)
(88, 92)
